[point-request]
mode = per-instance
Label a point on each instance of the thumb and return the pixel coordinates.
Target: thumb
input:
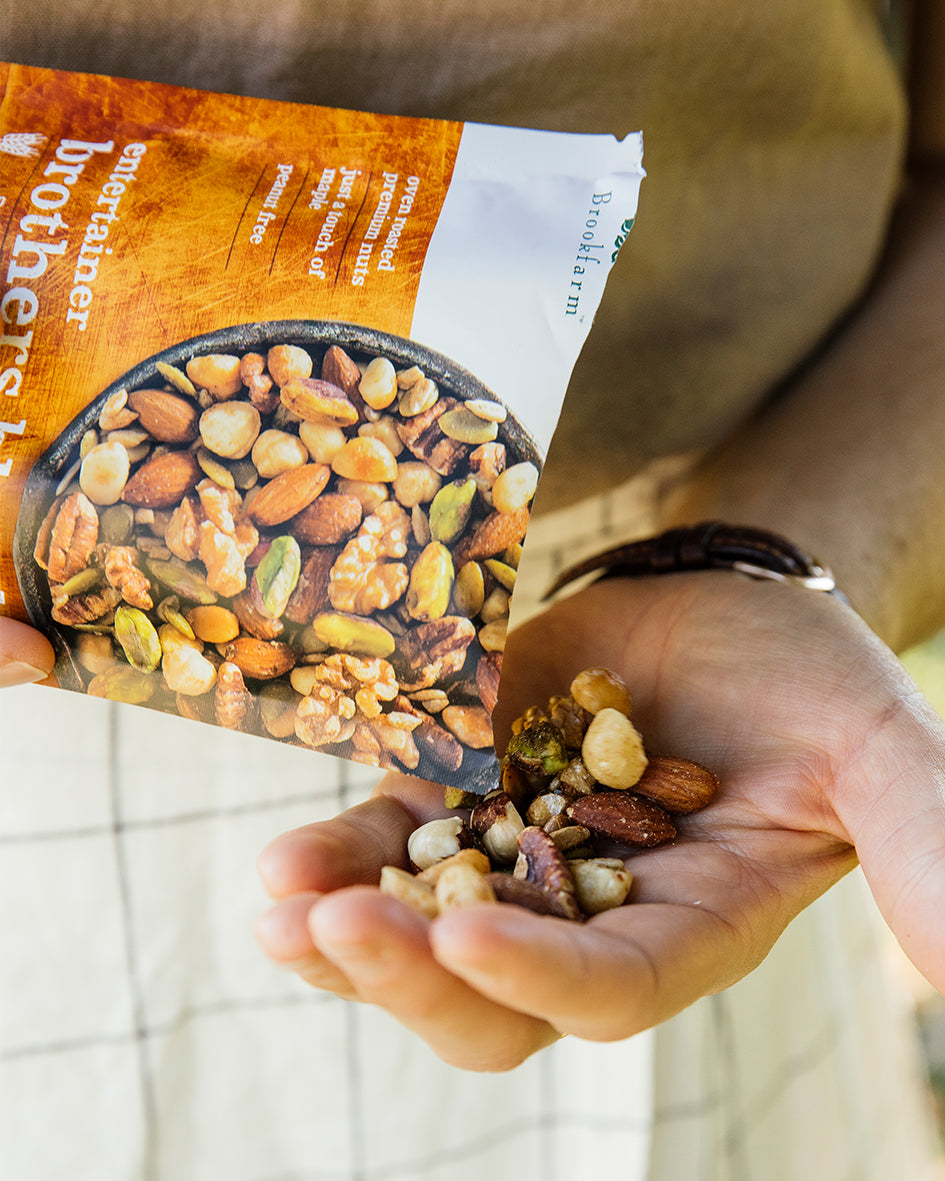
(25, 654)
(897, 824)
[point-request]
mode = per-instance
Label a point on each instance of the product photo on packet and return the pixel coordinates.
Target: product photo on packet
(771, 311)
(272, 463)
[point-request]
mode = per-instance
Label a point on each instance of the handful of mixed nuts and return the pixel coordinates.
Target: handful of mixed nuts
(575, 779)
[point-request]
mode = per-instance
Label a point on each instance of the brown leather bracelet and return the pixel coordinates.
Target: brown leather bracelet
(711, 545)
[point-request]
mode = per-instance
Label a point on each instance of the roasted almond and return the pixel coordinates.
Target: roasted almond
(288, 493)
(623, 817)
(168, 417)
(439, 744)
(495, 534)
(311, 591)
(260, 660)
(679, 785)
(248, 609)
(488, 672)
(328, 519)
(340, 370)
(163, 481)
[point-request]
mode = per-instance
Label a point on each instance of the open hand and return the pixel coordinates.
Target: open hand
(826, 752)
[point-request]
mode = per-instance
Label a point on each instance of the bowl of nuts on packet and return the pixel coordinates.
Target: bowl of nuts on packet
(307, 530)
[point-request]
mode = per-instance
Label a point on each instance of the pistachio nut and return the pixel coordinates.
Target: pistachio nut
(303, 677)
(416, 398)
(277, 574)
(513, 555)
(431, 581)
(277, 702)
(353, 633)
(502, 572)
(138, 638)
(450, 510)
(539, 748)
(469, 590)
(123, 683)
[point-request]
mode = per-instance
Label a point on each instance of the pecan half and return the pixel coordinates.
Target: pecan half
(73, 537)
(548, 867)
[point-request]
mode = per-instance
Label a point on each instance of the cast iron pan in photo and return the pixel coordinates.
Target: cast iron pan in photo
(360, 342)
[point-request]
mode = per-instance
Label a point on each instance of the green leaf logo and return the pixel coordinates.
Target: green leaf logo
(621, 238)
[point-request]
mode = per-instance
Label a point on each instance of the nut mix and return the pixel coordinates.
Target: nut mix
(576, 783)
(321, 549)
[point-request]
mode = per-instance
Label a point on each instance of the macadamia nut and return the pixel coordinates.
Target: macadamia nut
(612, 750)
(104, 473)
(514, 487)
(378, 386)
(218, 373)
(230, 429)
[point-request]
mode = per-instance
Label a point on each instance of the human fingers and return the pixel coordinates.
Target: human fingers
(282, 932)
(704, 915)
(26, 656)
(346, 850)
(352, 847)
(383, 949)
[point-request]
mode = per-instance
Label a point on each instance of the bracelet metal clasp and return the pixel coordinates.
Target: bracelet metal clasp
(818, 578)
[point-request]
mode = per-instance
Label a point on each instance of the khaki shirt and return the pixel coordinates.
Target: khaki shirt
(774, 136)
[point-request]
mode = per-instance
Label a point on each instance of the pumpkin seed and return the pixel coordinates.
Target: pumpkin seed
(169, 610)
(465, 427)
(177, 379)
(178, 577)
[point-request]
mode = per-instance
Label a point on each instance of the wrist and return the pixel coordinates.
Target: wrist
(862, 559)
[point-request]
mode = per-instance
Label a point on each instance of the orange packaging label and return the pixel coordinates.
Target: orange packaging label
(234, 484)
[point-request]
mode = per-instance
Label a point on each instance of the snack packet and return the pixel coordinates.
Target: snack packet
(277, 383)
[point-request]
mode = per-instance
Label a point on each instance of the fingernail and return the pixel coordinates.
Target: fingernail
(18, 672)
